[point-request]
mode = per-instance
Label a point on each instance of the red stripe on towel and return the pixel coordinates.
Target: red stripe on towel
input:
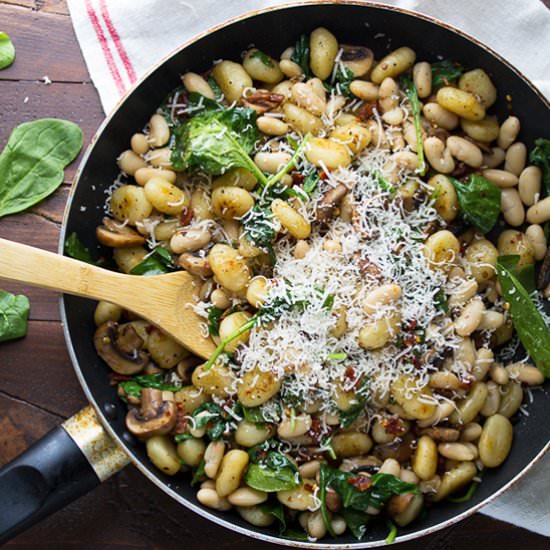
(105, 47)
(118, 42)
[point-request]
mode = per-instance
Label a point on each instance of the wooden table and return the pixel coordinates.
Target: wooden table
(38, 388)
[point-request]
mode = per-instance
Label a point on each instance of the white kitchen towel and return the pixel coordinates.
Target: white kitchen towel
(122, 39)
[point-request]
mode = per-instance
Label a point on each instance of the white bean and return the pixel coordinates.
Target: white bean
(530, 184)
(512, 207)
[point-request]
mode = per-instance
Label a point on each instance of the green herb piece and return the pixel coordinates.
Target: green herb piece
(356, 522)
(293, 534)
(277, 511)
(467, 496)
(526, 318)
(32, 163)
(7, 51)
(525, 275)
(416, 107)
(265, 59)
(326, 447)
(214, 318)
(137, 383)
(276, 178)
(343, 77)
(180, 438)
(337, 356)
(445, 72)
(157, 263)
(310, 183)
(440, 301)
(540, 156)
(479, 201)
(75, 249)
(218, 94)
(253, 415)
(270, 470)
(300, 55)
(14, 313)
(211, 417)
(198, 474)
(383, 183)
(390, 539)
(360, 492)
(347, 418)
(216, 141)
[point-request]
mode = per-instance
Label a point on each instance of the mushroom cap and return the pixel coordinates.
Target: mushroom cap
(121, 359)
(123, 238)
(156, 416)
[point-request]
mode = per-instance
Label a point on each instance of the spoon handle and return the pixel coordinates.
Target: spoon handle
(26, 264)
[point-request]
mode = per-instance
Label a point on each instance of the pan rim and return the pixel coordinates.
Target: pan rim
(71, 350)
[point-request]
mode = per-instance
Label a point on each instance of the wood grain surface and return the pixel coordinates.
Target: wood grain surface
(38, 388)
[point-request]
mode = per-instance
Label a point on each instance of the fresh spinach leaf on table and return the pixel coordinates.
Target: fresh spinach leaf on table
(7, 51)
(14, 313)
(32, 163)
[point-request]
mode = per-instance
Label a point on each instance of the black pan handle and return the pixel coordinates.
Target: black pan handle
(65, 464)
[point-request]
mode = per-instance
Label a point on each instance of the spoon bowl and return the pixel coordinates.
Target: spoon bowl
(164, 300)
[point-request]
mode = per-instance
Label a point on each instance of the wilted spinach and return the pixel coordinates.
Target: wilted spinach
(263, 58)
(32, 163)
(270, 470)
(157, 263)
(530, 326)
(416, 107)
(300, 55)
(540, 156)
(14, 313)
(214, 318)
(445, 72)
(358, 492)
(75, 249)
(7, 51)
(137, 383)
(479, 201)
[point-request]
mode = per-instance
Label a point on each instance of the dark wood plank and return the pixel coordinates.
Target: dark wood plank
(37, 370)
(45, 44)
(49, 6)
(76, 102)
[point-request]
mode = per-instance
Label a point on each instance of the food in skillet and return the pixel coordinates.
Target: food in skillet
(364, 235)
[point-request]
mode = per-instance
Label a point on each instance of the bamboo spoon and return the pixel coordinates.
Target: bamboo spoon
(163, 300)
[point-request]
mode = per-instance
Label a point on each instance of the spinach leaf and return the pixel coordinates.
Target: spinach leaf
(216, 141)
(440, 301)
(258, 225)
(253, 415)
(356, 522)
(310, 183)
(198, 474)
(525, 275)
(199, 104)
(180, 438)
(7, 51)
(540, 156)
(277, 511)
(479, 201)
(390, 539)
(216, 420)
(445, 72)
(32, 163)
(343, 77)
(270, 470)
(14, 312)
(157, 263)
(416, 107)
(360, 492)
(383, 183)
(75, 249)
(218, 94)
(155, 381)
(214, 318)
(347, 418)
(300, 55)
(262, 57)
(526, 318)
(467, 496)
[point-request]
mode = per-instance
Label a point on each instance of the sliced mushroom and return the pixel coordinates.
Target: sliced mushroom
(263, 101)
(123, 355)
(117, 236)
(398, 503)
(157, 416)
(544, 274)
(195, 265)
(357, 58)
(401, 448)
(438, 433)
(186, 367)
(332, 198)
(368, 463)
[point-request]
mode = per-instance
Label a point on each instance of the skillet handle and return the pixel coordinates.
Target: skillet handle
(65, 464)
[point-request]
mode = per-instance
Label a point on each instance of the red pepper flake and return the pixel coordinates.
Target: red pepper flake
(393, 426)
(297, 177)
(186, 215)
(366, 111)
(323, 175)
(349, 373)
(466, 382)
(316, 428)
(360, 482)
(115, 378)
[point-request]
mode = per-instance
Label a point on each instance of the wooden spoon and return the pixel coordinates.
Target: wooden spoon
(164, 300)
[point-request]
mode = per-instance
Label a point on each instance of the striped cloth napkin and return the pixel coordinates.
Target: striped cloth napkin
(122, 39)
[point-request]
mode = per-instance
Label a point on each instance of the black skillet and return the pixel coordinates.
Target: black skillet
(54, 471)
